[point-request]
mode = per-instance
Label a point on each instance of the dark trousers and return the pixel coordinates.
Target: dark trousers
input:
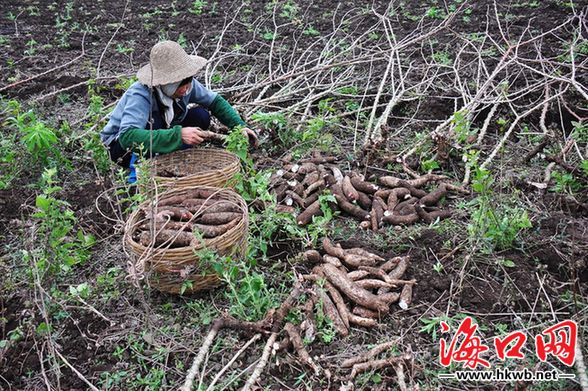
(197, 116)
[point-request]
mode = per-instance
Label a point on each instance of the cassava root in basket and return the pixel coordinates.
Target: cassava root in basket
(212, 231)
(166, 237)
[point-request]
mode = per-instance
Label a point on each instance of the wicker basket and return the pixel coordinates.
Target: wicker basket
(194, 167)
(168, 269)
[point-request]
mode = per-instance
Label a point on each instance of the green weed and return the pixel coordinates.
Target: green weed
(61, 246)
(39, 139)
(565, 183)
(197, 7)
(495, 224)
(248, 293)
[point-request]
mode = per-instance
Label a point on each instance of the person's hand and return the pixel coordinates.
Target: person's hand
(252, 136)
(192, 135)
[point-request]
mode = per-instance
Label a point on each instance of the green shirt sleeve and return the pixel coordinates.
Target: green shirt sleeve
(225, 113)
(162, 140)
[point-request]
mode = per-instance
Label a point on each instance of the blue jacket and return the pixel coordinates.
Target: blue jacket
(138, 102)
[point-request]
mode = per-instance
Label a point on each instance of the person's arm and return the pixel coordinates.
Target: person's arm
(221, 109)
(225, 113)
(161, 140)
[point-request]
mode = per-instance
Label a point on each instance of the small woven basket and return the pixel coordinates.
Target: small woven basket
(194, 167)
(171, 269)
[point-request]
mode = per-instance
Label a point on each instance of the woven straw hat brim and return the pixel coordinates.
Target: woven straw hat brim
(191, 66)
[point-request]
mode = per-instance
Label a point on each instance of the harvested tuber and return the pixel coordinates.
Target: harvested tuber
(369, 284)
(312, 256)
(401, 220)
(357, 275)
(365, 253)
(212, 231)
(365, 313)
(166, 237)
(390, 181)
(171, 201)
(306, 216)
(336, 173)
(172, 212)
(391, 297)
(364, 200)
(359, 295)
(339, 303)
(310, 178)
(331, 311)
(311, 199)
(396, 196)
(361, 185)
(361, 321)
(347, 206)
(405, 297)
(295, 197)
(168, 224)
(218, 218)
(319, 184)
(434, 197)
(348, 190)
(429, 217)
(332, 260)
(306, 168)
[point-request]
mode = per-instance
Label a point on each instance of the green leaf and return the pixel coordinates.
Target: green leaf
(42, 203)
(43, 328)
(508, 263)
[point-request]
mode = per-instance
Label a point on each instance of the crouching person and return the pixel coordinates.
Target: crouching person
(154, 114)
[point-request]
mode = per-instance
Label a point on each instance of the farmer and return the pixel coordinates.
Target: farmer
(153, 114)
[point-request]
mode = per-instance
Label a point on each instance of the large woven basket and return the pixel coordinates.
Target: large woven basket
(175, 269)
(194, 167)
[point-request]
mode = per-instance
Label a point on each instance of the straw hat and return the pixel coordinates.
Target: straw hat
(169, 63)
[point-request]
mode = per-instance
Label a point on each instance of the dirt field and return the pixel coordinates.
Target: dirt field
(492, 95)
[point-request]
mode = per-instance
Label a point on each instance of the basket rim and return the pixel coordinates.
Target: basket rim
(185, 153)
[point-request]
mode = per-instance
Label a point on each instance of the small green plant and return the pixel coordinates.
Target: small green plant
(429, 165)
(462, 127)
(197, 7)
(31, 47)
(62, 247)
(39, 139)
(311, 31)
(506, 262)
(442, 57)
(565, 182)
(584, 166)
(580, 132)
(493, 223)
(8, 169)
(269, 35)
(326, 330)
(435, 13)
(438, 267)
(248, 293)
(289, 10)
(124, 49)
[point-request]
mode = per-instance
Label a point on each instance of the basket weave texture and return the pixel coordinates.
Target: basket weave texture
(169, 269)
(195, 167)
